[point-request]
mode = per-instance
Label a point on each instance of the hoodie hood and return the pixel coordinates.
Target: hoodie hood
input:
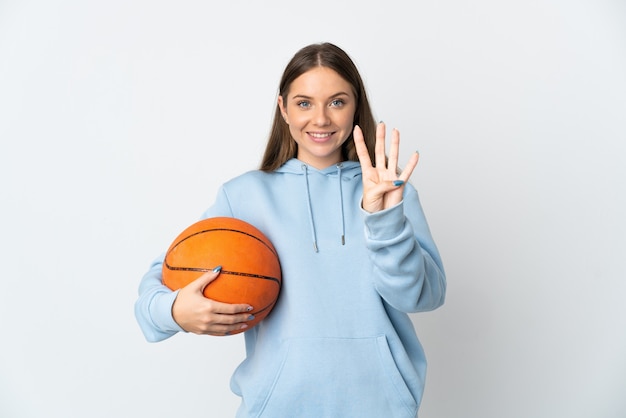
(349, 169)
(344, 171)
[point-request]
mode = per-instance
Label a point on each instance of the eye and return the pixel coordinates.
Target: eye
(304, 104)
(337, 103)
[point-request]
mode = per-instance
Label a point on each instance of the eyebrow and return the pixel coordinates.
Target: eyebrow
(304, 96)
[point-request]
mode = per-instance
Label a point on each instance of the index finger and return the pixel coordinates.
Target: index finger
(361, 148)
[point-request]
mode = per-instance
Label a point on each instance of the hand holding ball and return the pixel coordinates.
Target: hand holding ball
(250, 266)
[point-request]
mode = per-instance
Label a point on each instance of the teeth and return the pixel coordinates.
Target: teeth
(320, 135)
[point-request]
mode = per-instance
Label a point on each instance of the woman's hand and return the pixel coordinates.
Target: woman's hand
(382, 186)
(196, 313)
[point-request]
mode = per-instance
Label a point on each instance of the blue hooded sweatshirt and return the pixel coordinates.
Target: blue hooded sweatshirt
(339, 342)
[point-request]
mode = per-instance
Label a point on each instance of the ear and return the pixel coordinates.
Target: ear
(281, 106)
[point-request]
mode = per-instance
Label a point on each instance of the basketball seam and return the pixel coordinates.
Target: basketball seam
(228, 230)
(223, 272)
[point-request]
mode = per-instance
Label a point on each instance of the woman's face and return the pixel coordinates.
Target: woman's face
(319, 110)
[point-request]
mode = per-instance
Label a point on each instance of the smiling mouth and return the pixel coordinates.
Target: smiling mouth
(320, 136)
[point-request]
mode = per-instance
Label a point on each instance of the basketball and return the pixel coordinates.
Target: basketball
(250, 266)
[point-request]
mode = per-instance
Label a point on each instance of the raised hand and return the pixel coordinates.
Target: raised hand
(382, 185)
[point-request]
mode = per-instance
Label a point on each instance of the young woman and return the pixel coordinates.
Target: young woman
(356, 255)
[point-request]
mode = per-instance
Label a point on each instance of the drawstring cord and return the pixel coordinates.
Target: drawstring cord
(308, 195)
(343, 219)
(305, 168)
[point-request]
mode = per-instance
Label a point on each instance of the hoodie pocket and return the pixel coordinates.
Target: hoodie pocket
(338, 377)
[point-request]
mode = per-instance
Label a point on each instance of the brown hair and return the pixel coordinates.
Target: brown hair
(280, 145)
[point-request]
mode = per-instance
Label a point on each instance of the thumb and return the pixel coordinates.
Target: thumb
(203, 281)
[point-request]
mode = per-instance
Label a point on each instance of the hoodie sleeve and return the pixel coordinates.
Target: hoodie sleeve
(408, 272)
(153, 308)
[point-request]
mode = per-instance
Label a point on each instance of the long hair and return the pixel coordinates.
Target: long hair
(280, 146)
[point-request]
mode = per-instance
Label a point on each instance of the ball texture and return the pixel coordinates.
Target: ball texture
(250, 266)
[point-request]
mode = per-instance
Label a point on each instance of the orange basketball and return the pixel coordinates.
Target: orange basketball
(250, 267)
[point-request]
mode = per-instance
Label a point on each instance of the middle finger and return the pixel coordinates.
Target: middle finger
(380, 146)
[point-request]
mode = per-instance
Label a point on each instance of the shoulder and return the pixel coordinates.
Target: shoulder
(252, 177)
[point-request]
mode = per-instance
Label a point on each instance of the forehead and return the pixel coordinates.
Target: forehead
(320, 81)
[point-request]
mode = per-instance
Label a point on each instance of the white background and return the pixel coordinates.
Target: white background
(119, 120)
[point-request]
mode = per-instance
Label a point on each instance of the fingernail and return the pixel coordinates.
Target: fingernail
(217, 269)
(398, 183)
(380, 121)
(249, 308)
(244, 326)
(251, 317)
(227, 333)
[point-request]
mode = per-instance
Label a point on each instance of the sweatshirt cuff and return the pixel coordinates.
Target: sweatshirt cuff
(385, 224)
(161, 312)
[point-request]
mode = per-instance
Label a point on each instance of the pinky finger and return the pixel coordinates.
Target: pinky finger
(410, 166)
(227, 330)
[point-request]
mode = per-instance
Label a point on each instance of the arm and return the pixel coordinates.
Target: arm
(153, 308)
(408, 272)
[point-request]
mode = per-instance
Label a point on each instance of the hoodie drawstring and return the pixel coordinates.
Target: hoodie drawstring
(305, 168)
(308, 195)
(343, 219)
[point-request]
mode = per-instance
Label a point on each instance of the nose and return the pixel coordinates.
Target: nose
(321, 117)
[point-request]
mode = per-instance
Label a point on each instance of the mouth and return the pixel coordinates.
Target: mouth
(320, 136)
